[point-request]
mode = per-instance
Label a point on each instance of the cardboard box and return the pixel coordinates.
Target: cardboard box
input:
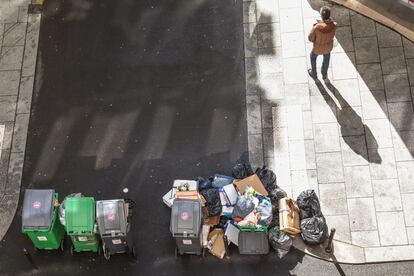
(289, 216)
(187, 195)
(218, 247)
(251, 181)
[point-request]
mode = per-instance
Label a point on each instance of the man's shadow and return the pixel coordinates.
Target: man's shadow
(350, 123)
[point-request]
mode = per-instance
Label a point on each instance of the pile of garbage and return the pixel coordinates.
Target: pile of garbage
(250, 211)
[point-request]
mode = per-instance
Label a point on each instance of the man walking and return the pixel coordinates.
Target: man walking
(322, 36)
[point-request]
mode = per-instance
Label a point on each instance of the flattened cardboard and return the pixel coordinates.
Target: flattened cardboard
(218, 249)
(251, 181)
(232, 233)
(169, 197)
(187, 195)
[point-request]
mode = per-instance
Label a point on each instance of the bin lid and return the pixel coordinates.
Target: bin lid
(110, 215)
(79, 215)
(185, 216)
(37, 209)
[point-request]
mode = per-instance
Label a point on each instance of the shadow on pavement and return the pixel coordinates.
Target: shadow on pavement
(351, 125)
(372, 78)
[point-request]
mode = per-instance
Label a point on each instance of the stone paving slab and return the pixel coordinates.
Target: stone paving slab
(18, 52)
(351, 140)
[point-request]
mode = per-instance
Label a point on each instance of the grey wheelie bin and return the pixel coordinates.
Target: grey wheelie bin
(186, 223)
(114, 217)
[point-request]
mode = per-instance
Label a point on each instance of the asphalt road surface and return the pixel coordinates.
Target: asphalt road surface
(134, 94)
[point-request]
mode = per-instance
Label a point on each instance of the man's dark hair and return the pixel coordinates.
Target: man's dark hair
(325, 13)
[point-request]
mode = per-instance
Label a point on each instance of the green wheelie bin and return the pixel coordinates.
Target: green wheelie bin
(80, 224)
(40, 220)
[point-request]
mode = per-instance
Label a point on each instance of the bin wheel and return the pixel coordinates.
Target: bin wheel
(133, 251)
(100, 250)
(203, 252)
(71, 250)
(107, 255)
(35, 248)
(176, 252)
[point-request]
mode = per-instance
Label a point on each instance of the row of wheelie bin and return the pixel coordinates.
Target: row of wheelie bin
(96, 226)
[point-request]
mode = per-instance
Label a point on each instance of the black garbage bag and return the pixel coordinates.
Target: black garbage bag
(308, 204)
(267, 177)
(213, 203)
(203, 183)
(242, 169)
(280, 193)
(275, 207)
(275, 220)
(314, 230)
(244, 206)
(275, 196)
(280, 241)
(274, 199)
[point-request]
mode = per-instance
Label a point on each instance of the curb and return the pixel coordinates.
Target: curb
(385, 19)
(9, 197)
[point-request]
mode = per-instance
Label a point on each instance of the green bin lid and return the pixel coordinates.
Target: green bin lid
(79, 215)
(253, 228)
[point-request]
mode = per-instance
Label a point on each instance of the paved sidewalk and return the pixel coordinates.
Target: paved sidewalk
(19, 34)
(351, 140)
